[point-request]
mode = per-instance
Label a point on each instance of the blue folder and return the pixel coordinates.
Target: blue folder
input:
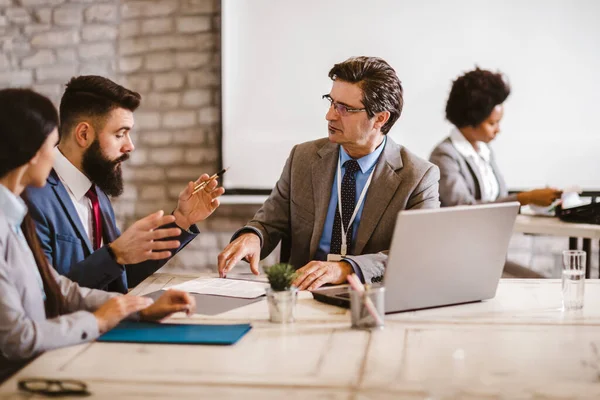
(148, 332)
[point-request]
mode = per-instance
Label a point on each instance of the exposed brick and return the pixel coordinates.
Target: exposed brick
(136, 9)
(193, 24)
(68, 15)
(200, 156)
(4, 62)
(206, 41)
(130, 64)
(96, 50)
(40, 58)
(57, 73)
(202, 79)
(3, 21)
(32, 29)
(138, 83)
(134, 46)
(138, 157)
(193, 136)
(34, 3)
(156, 138)
(198, 6)
(153, 192)
(146, 119)
(52, 90)
(129, 28)
(162, 61)
(16, 78)
(98, 67)
(155, 26)
(66, 55)
(166, 156)
(161, 101)
(175, 189)
(209, 115)
(102, 13)
(93, 33)
(6, 3)
(18, 15)
(196, 98)
(55, 39)
(191, 60)
(179, 119)
(168, 81)
(147, 207)
(144, 174)
(42, 15)
(184, 173)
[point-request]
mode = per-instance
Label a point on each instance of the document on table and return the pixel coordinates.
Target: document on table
(223, 287)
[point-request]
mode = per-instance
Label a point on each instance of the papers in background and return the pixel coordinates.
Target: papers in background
(223, 287)
(248, 276)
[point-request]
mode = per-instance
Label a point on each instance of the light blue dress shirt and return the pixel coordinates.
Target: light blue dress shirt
(15, 210)
(366, 164)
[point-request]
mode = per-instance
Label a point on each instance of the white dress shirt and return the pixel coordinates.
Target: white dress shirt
(77, 185)
(481, 159)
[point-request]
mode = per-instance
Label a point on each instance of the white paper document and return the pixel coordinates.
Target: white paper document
(223, 287)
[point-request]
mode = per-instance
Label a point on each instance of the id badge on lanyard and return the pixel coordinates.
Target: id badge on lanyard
(361, 199)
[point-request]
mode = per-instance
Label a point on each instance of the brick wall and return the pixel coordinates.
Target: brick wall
(168, 50)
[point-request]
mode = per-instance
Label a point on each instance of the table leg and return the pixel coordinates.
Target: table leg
(573, 243)
(587, 247)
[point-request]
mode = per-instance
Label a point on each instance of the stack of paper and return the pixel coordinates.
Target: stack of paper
(223, 287)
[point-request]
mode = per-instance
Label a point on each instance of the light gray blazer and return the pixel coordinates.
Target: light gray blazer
(297, 207)
(24, 330)
(460, 181)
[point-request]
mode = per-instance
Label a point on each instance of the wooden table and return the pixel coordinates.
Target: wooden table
(552, 226)
(518, 345)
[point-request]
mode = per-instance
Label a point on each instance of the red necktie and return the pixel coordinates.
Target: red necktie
(96, 221)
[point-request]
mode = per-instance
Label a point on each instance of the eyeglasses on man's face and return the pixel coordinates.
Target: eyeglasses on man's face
(54, 388)
(341, 109)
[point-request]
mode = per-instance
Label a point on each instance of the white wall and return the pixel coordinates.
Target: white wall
(276, 56)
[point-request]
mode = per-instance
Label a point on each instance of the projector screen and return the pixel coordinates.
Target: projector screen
(276, 55)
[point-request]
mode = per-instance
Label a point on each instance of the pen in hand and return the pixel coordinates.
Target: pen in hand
(202, 185)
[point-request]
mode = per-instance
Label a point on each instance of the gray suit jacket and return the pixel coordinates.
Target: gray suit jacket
(24, 330)
(297, 207)
(460, 181)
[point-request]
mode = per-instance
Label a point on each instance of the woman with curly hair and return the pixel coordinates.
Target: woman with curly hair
(469, 174)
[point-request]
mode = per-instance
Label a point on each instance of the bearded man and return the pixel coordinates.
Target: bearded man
(74, 217)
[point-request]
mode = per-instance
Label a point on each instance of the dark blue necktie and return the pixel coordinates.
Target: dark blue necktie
(348, 204)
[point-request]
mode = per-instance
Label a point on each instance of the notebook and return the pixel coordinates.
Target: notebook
(148, 332)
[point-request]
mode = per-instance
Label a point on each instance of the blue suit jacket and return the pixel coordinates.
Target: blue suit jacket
(68, 248)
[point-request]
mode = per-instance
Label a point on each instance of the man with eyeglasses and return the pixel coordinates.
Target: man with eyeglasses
(337, 199)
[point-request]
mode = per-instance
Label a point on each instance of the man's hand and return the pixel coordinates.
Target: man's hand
(170, 302)
(118, 308)
(317, 273)
(244, 246)
(539, 197)
(140, 242)
(194, 208)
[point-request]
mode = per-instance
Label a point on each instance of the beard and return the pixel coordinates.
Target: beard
(103, 172)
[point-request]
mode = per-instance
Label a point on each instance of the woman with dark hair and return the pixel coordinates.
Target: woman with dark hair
(40, 309)
(468, 170)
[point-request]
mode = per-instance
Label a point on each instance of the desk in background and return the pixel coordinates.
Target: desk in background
(552, 226)
(519, 342)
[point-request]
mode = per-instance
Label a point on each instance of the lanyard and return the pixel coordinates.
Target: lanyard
(344, 248)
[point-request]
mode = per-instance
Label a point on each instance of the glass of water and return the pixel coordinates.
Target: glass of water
(573, 279)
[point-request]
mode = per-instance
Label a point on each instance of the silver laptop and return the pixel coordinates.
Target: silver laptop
(442, 257)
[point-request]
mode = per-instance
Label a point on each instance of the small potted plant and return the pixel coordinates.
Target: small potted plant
(281, 295)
